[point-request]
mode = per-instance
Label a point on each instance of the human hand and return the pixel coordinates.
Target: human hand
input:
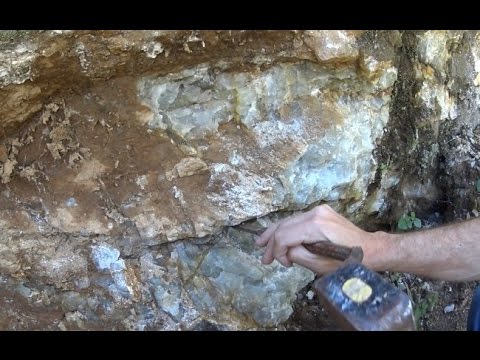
(284, 239)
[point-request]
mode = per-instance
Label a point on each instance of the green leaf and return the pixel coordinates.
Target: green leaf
(402, 223)
(417, 223)
(478, 185)
(410, 224)
(425, 305)
(412, 215)
(420, 311)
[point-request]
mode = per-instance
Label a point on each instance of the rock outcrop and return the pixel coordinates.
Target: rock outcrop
(129, 158)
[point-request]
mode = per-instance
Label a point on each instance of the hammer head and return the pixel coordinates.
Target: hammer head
(359, 299)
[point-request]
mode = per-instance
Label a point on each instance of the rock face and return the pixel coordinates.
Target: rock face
(128, 158)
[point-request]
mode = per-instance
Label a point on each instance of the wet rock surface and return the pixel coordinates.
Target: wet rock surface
(129, 158)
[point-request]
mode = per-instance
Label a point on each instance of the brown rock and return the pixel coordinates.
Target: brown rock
(3, 153)
(190, 166)
(333, 46)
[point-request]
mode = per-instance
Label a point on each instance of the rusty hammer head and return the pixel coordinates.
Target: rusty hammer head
(359, 298)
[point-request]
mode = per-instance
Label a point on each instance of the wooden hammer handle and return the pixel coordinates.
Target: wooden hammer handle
(334, 251)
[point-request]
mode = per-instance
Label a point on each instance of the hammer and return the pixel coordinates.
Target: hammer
(357, 297)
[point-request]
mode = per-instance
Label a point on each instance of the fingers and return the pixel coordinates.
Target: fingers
(283, 239)
(286, 233)
(263, 239)
(268, 255)
(284, 261)
(293, 234)
(319, 264)
(300, 255)
(267, 235)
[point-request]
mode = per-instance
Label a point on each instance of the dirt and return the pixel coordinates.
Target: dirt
(51, 157)
(19, 314)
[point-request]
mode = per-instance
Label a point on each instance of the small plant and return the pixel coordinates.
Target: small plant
(408, 222)
(383, 167)
(425, 306)
(395, 277)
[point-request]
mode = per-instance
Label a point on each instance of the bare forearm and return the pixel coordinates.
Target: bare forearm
(449, 252)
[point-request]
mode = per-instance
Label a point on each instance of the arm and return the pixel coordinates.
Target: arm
(449, 252)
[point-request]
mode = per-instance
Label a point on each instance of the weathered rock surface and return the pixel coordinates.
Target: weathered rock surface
(128, 158)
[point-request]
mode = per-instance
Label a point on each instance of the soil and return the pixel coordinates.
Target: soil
(36, 318)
